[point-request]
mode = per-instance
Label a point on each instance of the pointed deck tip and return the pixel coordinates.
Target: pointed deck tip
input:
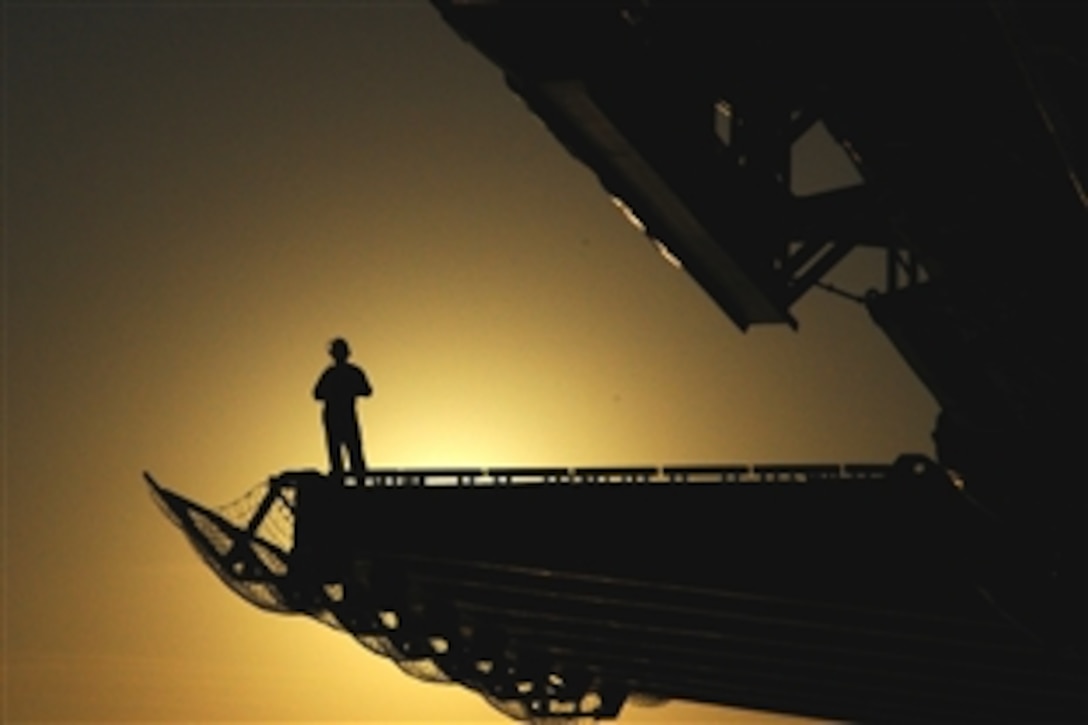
(158, 491)
(166, 500)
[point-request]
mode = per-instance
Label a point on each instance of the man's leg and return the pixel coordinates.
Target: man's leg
(336, 463)
(355, 455)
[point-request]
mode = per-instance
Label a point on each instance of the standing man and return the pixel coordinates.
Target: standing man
(338, 387)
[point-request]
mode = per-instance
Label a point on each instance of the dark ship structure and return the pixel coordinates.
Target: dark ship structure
(933, 590)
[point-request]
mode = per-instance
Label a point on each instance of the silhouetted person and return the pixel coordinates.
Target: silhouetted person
(338, 387)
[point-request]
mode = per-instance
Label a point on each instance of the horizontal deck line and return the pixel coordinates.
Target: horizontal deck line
(681, 474)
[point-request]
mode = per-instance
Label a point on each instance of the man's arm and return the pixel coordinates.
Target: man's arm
(364, 388)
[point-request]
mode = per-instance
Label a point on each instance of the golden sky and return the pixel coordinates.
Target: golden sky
(198, 197)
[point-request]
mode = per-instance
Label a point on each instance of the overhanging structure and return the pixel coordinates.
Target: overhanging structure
(966, 126)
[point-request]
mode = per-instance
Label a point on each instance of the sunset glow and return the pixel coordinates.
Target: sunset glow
(199, 198)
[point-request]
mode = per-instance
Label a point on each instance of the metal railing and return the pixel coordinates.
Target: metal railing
(687, 474)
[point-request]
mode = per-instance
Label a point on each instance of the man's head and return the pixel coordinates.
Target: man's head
(339, 349)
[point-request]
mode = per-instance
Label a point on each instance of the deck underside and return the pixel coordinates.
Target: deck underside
(837, 592)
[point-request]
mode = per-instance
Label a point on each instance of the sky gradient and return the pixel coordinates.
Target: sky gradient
(197, 198)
